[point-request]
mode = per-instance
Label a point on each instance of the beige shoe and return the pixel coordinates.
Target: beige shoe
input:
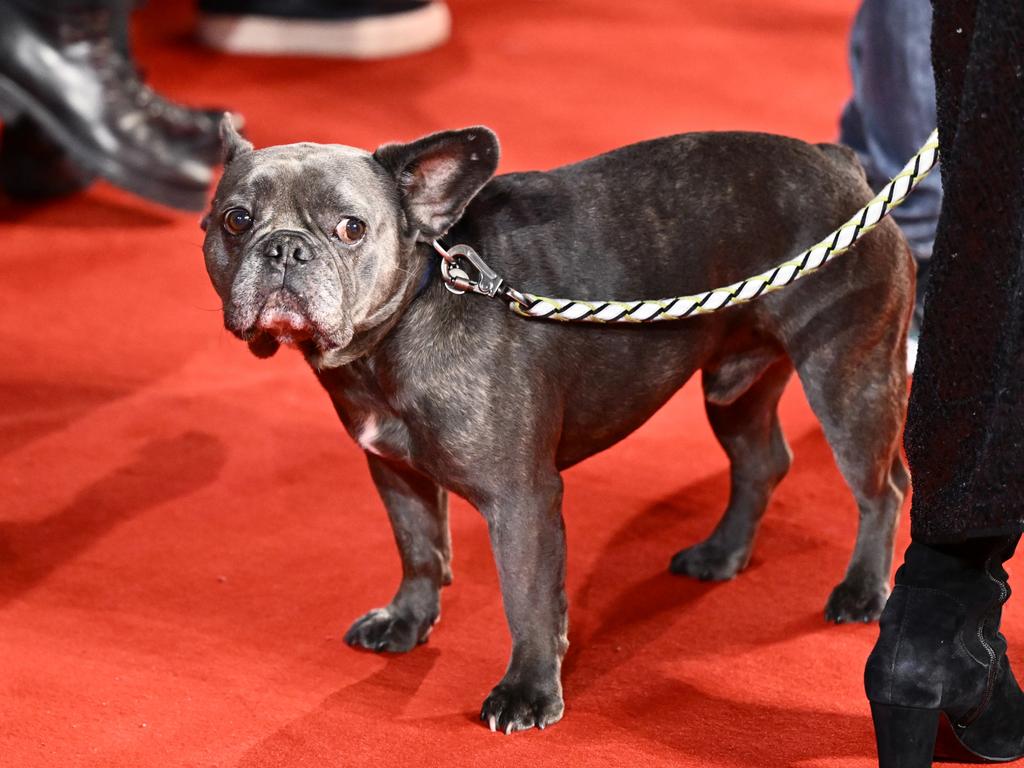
(359, 30)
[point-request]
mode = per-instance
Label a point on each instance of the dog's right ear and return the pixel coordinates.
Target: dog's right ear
(439, 174)
(231, 141)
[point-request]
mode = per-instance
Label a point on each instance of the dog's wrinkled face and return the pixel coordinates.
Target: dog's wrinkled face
(314, 245)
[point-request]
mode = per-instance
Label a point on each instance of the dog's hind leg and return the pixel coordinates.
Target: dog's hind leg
(746, 424)
(418, 510)
(859, 396)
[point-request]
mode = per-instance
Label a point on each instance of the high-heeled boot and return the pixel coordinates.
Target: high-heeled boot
(939, 669)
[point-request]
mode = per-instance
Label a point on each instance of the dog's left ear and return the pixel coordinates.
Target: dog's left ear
(439, 174)
(231, 141)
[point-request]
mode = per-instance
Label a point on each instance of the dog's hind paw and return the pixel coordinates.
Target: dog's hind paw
(519, 707)
(856, 603)
(708, 561)
(388, 629)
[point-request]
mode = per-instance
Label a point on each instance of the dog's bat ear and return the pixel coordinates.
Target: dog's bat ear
(231, 141)
(439, 174)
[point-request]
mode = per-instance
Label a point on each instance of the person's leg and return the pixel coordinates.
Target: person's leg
(940, 656)
(890, 114)
(892, 110)
(965, 427)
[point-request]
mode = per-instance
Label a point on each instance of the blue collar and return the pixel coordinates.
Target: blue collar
(427, 278)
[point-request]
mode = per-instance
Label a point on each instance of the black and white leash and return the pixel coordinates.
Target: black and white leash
(459, 262)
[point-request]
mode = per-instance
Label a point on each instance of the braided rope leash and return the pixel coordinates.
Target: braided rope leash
(457, 279)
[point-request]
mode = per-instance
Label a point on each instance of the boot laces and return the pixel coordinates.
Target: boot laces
(122, 78)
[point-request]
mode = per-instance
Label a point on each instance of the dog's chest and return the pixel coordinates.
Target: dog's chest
(364, 411)
(378, 431)
(370, 434)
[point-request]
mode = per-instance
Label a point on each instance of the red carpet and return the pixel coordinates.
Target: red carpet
(186, 532)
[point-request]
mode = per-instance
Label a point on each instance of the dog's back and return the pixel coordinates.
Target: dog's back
(674, 216)
(664, 217)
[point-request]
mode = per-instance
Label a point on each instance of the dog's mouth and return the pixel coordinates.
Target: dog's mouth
(281, 320)
(284, 318)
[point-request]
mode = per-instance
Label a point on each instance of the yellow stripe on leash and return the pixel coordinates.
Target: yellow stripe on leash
(809, 261)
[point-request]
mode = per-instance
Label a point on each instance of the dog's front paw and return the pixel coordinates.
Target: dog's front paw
(519, 706)
(388, 629)
(856, 602)
(709, 561)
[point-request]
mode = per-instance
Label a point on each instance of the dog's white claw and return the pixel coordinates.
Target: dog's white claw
(508, 729)
(494, 725)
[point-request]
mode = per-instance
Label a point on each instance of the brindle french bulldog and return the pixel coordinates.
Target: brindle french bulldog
(327, 248)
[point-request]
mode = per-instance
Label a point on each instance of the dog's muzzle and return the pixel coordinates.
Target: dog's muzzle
(283, 314)
(283, 317)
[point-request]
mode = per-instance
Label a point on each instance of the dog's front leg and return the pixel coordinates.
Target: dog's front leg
(528, 539)
(418, 510)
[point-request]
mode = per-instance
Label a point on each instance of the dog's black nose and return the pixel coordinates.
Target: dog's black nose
(289, 248)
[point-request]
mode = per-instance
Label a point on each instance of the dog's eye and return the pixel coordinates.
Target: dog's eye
(351, 230)
(237, 221)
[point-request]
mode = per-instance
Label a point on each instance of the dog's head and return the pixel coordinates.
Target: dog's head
(315, 245)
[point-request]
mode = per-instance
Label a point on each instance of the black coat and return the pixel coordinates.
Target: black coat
(965, 429)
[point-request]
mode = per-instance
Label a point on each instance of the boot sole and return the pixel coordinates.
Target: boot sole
(949, 748)
(909, 737)
(14, 102)
(368, 37)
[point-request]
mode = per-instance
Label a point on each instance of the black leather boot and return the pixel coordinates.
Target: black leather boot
(196, 129)
(940, 666)
(34, 167)
(62, 68)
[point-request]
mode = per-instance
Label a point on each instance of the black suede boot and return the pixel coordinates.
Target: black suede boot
(940, 659)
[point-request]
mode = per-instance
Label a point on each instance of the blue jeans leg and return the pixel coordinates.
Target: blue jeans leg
(892, 109)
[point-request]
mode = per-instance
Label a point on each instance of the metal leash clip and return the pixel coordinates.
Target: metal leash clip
(458, 280)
